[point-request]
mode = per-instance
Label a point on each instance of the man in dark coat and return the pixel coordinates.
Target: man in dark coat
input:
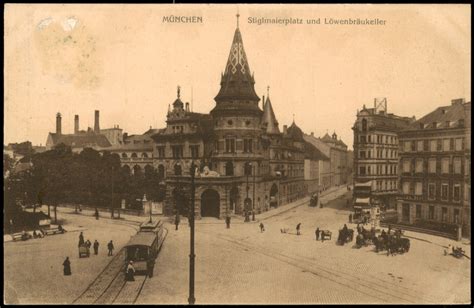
(262, 227)
(350, 218)
(227, 222)
(96, 247)
(96, 214)
(317, 233)
(67, 267)
(298, 227)
(110, 246)
(176, 221)
(81, 239)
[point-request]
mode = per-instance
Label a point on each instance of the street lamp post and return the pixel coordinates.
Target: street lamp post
(248, 166)
(253, 197)
(192, 256)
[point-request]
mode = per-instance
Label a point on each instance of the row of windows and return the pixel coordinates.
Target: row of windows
(435, 145)
(378, 170)
(433, 165)
(177, 151)
(379, 139)
(135, 155)
(417, 189)
(431, 214)
(379, 153)
(386, 185)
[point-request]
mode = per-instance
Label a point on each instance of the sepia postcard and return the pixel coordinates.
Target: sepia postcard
(237, 154)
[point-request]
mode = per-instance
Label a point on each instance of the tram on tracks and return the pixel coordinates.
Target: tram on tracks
(143, 247)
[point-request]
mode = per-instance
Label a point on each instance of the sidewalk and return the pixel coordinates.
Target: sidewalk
(325, 196)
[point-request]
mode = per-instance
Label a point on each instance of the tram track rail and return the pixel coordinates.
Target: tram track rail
(110, 286)
(371, 286)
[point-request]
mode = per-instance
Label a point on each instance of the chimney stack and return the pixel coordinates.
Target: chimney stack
(457, 101)
(285, 129)
(96, 123)
(76, 124)
(58, 123)
(187, 107)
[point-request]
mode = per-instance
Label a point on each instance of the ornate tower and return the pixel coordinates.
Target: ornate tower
(236, 116)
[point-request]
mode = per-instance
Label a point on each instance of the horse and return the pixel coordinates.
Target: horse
(345, 236)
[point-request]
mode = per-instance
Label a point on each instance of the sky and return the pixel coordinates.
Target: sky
(125, 61)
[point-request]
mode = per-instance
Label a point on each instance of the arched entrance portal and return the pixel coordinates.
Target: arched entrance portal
(210, 203)
(234, 200)
(274, 195)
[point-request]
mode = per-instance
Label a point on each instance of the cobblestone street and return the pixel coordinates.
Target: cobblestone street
(244, 265)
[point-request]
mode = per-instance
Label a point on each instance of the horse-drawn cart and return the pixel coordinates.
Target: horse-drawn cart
(84, 251)
(326, 234)
(345, 236)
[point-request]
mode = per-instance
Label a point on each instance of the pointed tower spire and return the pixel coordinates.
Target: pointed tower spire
(237, 82)
(178, 104)
(269, 120)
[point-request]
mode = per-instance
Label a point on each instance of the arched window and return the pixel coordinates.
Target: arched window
(134, 155)
(364, 125)
(177, 169)
(137, 170)
(161, 171)
(144, 155)
(124, 155)
(229, 168)
(248, 168)
(126, 170)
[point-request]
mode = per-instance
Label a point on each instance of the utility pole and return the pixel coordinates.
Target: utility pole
(192, 256)
(254, 170)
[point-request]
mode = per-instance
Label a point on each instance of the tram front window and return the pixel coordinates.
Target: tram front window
(139, 254)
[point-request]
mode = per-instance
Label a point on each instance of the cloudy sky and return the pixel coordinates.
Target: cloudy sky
(126, 62)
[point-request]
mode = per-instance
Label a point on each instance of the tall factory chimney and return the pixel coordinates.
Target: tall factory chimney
(58, 123)
(76, 124)
(96, 123)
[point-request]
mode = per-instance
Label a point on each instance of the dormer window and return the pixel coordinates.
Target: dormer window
(461, 122)
(447, 124)
(422, 125)
(435, 124)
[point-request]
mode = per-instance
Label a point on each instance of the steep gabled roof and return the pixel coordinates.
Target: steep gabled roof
(311, 152)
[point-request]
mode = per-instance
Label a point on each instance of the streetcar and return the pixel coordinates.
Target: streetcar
(143, 248)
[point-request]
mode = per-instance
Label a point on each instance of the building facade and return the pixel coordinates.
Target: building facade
(435, 168)
(244, 163)
(376, 152)
(334, 170)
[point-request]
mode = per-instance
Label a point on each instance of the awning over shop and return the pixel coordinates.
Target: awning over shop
(366, 184)
(362, 201)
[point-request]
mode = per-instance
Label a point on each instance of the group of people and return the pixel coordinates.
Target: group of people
(319, 233)
(88, 244)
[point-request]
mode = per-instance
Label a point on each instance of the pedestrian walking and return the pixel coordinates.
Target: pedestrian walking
(96, 247)
(322, 236)
(262, 227)
(67, 267)
(81, 239)
(96, 214)
(298, 227)
(317, 233)
(110, 246)
(88, 244)
(176, 221)
(227, 222)
(130, 272)
(350, 218)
